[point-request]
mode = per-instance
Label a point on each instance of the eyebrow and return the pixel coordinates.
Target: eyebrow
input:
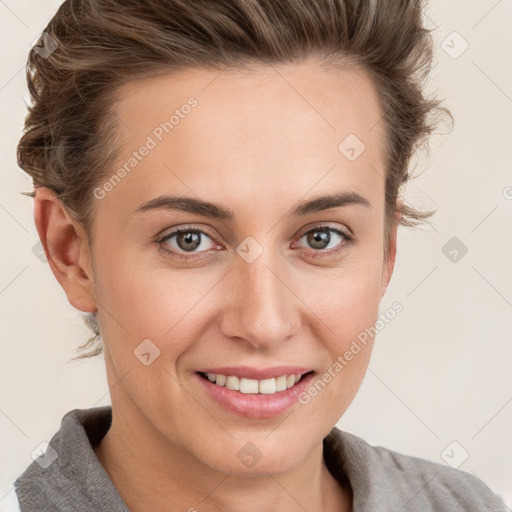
(217, 211)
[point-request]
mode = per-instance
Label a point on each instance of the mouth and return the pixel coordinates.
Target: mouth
(253, 398)
(271, 386)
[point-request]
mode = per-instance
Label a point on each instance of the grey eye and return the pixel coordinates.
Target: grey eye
(188, 240)
(320, 238)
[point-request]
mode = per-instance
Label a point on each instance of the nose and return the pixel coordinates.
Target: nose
(262, 308)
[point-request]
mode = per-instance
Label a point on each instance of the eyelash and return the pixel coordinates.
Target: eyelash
(319, 253)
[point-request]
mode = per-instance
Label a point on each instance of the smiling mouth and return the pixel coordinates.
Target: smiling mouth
(253, 386)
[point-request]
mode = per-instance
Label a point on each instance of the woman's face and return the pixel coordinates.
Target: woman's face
(269, 285)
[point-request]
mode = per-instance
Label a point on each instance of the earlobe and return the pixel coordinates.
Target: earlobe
(66, 249)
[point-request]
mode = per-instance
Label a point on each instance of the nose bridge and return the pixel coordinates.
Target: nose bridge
(263, 309)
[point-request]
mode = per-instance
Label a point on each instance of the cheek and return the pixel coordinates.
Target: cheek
(346, 300)
(345, 310)
(142, 300)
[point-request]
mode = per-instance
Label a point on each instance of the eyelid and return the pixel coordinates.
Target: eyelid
(166, 233)
(348, 234)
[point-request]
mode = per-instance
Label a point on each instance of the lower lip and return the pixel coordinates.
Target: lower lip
(254, 405)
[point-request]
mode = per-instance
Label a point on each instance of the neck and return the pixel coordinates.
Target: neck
(151, 473)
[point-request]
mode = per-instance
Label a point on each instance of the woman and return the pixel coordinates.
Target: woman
(217, 187)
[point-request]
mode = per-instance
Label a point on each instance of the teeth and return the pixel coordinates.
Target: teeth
(248, 386)
(233, 382)
(265, 386)
(281, 383)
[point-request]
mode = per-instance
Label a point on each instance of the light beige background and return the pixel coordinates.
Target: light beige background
(440, 372)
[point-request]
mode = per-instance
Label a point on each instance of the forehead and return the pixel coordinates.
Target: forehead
(287, 126)
(339, 101)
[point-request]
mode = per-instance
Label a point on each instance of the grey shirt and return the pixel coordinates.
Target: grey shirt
(69, 477)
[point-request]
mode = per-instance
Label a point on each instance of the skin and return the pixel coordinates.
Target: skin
(170, 446)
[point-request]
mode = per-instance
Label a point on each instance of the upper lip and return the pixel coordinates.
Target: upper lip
(249, 372)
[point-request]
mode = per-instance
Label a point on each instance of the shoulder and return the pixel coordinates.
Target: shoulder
(393, 479)
(68, 466)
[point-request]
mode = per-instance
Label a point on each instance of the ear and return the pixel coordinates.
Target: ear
(389, 265)
(66, 248)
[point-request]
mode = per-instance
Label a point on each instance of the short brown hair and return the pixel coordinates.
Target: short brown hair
(102, 44)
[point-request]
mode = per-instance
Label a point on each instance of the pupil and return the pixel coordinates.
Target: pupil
(189, 237)
(319, 239)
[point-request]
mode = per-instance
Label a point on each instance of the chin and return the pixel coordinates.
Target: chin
(245, 458)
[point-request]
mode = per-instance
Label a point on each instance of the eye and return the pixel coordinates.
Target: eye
(321, 240)
(186, 240)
